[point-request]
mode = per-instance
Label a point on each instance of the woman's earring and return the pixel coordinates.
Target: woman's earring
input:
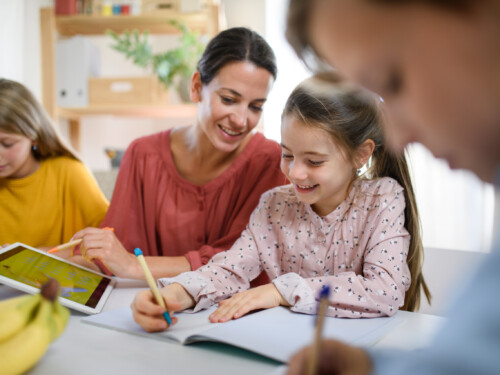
(34, 148)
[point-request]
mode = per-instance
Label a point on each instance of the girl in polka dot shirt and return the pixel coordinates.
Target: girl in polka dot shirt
(348, 219)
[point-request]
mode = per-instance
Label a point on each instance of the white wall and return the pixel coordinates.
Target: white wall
(446, 272)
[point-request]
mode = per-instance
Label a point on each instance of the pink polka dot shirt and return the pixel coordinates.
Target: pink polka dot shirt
(359, 249)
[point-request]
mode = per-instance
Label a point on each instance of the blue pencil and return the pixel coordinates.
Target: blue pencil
(320, 316)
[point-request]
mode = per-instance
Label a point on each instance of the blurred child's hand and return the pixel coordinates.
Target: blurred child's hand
(149, 315)
(334, 358)
(262, 297)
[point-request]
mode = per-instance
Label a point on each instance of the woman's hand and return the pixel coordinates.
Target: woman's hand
(149, 315)
(335, 358)
(103, 244)
(262, 297)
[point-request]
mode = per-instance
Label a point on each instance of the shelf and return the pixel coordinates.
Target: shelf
(207, 22)
(155, 24)
(187, 111)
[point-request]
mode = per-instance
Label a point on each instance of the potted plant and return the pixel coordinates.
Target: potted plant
(172, 67)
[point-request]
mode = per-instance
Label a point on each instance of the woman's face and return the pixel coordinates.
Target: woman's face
(230, 106)
(16, 158)
(437, 71)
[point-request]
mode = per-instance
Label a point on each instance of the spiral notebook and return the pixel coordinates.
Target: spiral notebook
(274, 333)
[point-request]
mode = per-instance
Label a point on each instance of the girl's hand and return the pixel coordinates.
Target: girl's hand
(262, 297)
(334, 358)
(149, 315)
(103, 244)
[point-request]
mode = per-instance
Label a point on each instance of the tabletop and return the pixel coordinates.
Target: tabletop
(89, 349)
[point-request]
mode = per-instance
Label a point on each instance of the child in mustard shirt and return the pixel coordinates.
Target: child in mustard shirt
(47, 193)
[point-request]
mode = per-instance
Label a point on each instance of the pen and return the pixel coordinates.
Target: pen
(152, 283)
(70, 244)
(320, 316)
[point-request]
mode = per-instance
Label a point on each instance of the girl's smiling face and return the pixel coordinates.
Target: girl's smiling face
(16, 158)
(316, 166)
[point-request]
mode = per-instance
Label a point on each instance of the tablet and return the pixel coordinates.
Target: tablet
(27, 269)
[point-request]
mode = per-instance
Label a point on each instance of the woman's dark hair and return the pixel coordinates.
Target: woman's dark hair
(235, 44)
(351, 116)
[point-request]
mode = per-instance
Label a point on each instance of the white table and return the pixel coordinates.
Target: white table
(88, 349)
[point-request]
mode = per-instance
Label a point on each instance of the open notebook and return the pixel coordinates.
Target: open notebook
(275, 333)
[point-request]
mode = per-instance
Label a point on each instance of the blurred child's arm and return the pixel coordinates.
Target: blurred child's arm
(149, 315)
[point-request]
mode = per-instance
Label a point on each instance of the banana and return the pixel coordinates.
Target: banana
(61, 317)
(46, 320)
(15, 313)
(7, 304)
(22, 351)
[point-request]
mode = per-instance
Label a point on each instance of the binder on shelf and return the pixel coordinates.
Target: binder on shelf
(77, 59)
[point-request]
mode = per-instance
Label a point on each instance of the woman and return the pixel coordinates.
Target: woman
(436, 65)
(185, 194)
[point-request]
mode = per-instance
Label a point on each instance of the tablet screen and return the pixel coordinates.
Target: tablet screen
(34, 269)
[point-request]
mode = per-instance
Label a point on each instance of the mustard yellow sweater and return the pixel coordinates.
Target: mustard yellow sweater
(49, 206)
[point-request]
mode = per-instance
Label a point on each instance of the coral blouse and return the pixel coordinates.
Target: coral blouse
(156, 209)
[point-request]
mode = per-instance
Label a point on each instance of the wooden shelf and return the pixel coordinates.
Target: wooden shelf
(187, 111)
(155, 24)
(206, 22)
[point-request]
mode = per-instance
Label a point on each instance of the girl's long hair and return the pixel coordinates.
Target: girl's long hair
(352, 116)
(22, 114)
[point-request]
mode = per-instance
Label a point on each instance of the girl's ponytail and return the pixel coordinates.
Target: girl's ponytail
(386, 164)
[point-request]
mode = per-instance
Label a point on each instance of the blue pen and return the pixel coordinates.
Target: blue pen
(320, 315)
(152, 283)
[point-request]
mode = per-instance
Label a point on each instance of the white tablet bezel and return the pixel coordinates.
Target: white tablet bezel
(64, 301)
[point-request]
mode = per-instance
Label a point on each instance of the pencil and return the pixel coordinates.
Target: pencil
(70, 244)
(65, 246)
(152, 283)
(314, 354)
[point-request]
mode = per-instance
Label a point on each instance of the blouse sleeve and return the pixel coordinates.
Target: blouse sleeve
(379, 291)
(269, 176)
(228, 272)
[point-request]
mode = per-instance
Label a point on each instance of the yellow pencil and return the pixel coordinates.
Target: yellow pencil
(152, 283)
(314, 356)
(70, 244)
(65, 246)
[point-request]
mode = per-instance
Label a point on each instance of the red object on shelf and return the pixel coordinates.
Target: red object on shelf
(65, 6)
(125, 9)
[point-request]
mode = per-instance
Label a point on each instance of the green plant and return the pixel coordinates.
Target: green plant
(176, 62)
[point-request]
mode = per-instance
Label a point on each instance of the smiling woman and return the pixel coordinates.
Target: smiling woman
(186, 194)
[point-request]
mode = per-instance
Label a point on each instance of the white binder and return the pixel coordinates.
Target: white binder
(77, 59)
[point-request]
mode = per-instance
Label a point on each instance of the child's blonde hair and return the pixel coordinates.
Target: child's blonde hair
(352, 116)
(22, 114)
